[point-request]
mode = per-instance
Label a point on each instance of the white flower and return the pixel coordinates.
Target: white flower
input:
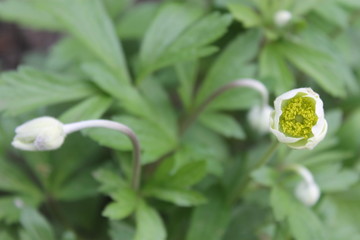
(298, 119)
(259, 118)
(282, 18)
(307, 192)
(39, 134)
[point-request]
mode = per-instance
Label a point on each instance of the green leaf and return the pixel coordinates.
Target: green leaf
(191, 44)
(88, 22)
(109, 179)
(210, 220)
(154, 141)
(39, 89)
(348, 133)
(35, 225)
(10, 213)
(149, 225)
(232, 64)
(134, 23)
(244, 14)
(339, 67)
(28, 13)
(125, 203)
(187, 73)
(316, 64)
(265, 176)
(120, 231)
(91, 108)
(171, 20)
(188, 39)
(180, 197)
(172, 176)
(15, 181)
(223, 124)
(342, 214)
(114, 7)
(332, 178)
(304, 224)
(333, 13)
(274, 70)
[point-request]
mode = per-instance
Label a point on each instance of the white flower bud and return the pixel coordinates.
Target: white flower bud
(259, 118)
(298, 119)
(307, 192)
(44, 133)
(282, 18)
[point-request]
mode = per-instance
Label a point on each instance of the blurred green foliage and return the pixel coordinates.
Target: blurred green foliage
(149, 65)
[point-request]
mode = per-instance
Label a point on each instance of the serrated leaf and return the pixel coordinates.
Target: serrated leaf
(88, 22)
(110, 181)
(186, 73)
(223, 124)
(39, 89)
(304, 224)
(35, 225)
(188, 175)
(332, 178)
(170, 21)
(91, 108)
(149, 225)
(185, 40)
(210, 220)
(333, 13)
(180, 197)
(232, 64)
(13, 180)
(315, 63)
(134, 23)
(117, 210)
(244, 14)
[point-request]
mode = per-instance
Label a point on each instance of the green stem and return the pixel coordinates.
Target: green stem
(240, 83)
(136, 175)
(263, 160)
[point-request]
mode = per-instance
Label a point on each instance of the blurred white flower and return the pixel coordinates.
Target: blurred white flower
(282, 18)
(259, 118)
(39, 134)
(298, 119)
(307, 192)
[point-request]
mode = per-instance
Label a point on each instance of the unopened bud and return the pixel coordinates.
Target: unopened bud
(259, 118)
(282, 18)
(39, 134)
(307, 192)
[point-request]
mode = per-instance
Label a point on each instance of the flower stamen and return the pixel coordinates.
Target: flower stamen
(298, 117)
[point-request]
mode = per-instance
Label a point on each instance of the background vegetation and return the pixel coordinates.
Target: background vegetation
(148, 65)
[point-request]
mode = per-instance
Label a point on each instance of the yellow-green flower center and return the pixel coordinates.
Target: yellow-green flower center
(298, 117)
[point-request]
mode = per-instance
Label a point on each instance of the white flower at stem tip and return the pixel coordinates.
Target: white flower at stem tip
(48, 133)
(307, 191)
(40, 134)
(298, 119)
(282, 18)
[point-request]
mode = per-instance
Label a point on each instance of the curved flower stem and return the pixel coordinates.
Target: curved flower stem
(246, 82)
(302, 171)
(136, 175)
